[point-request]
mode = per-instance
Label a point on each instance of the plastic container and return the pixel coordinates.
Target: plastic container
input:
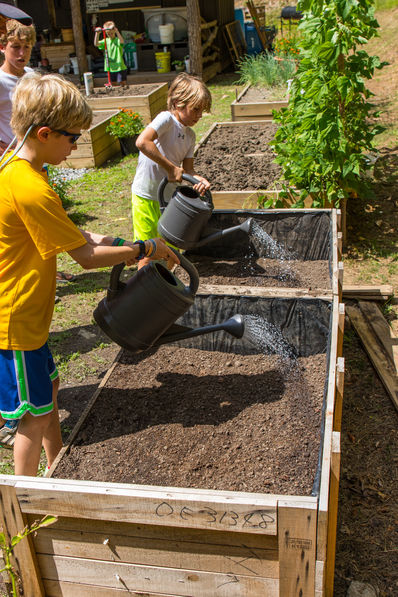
(253, 42)
(162, 62)
(154, 17)
(130, 55)
(166, 33)
(88, 82)
(75, 65)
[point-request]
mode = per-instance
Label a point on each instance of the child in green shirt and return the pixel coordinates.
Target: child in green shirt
(114, 62)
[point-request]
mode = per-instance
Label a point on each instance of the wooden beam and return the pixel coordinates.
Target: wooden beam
(77, 24)
(194, 38)
(376, 350)
(368, 292)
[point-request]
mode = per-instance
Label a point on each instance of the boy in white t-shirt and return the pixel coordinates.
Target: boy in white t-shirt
(16, 45)
(166, 149)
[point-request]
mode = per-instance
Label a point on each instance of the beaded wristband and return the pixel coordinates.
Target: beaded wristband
(118, 242)
(141, 243)
(152, 248)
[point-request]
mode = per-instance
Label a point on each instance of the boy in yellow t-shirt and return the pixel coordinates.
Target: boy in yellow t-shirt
(47, 117)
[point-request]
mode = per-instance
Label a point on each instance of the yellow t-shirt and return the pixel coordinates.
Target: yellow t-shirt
(34, 227)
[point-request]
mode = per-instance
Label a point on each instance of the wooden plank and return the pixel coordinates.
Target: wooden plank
(160, 550)
(156, 533)
(370, 292)
(376, 352)
(340, 330)
(270, 291)
(338, 407)
(143, 578)
(332, 522)
(382, 330)
(297, 545)
(24, 558)
(55, 588)
(258, 110)
(133, 504)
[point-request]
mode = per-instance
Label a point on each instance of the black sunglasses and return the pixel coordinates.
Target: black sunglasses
(73, 136)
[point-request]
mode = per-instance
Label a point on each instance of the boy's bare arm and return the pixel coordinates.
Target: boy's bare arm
(91, 256)
(96, 36)
(119, 35)
(146, 144)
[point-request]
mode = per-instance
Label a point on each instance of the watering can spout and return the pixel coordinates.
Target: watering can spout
(234, 326)
(217, 234)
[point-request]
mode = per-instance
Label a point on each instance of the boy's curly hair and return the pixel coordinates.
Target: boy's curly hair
(187, 89)
(17, 31)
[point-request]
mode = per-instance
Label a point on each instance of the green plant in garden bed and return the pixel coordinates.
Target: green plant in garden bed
(287, 47)
(125, 124)
(265, 70)
(327, 129)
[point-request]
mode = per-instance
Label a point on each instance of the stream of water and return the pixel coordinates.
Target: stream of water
(268, 337)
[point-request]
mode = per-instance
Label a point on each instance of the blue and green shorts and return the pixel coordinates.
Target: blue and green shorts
(26, 378)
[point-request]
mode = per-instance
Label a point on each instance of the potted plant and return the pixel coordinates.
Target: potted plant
(179, 65)
(126, 126)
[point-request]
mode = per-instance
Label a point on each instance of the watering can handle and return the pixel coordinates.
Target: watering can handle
(115, 286)
(191, 271)
(208, 197)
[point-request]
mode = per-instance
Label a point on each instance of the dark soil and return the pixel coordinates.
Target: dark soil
(192, 418)
(261, 272)
(239, 158)
(120, 90)
(256, 95)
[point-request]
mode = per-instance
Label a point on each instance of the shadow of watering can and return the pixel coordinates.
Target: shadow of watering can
(141, 313)
(183, 222)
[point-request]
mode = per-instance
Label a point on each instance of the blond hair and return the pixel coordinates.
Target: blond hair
(187, 89)
(16, 31)
(48, 100)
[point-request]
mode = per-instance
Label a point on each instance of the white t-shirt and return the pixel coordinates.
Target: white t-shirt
(176, 142)
(7, 86)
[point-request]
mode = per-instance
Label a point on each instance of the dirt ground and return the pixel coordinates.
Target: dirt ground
(189, 418)
(261, 272)
(255, 95)
(244, 147)
(121, 90)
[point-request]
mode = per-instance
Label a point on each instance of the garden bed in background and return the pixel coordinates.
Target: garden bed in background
(95, 146)
(237, 156)
(146, 99)
(257, 103)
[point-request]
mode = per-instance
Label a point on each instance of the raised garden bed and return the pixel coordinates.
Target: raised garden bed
(146, 99)
(237, 156)
(256, 103)
(95, 146)
(179, 537)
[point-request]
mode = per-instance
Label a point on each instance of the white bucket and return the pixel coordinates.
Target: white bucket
(166, 33)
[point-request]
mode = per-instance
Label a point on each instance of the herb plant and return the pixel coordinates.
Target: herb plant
(265, 70)
(328, 127)
(125, 124)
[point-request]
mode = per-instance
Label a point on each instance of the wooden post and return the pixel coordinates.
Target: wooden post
(52, 16)
(194, 37)
(80, 45)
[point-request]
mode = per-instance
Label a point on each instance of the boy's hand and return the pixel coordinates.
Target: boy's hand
(164, 252)
(98, 29)
(201, 186)
(175, 174)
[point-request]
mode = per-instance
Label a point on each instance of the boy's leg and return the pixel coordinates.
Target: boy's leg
(52, 438)
(146, 214)
(28, 443)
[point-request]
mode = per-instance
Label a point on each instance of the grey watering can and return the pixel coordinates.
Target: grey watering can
(141, 313)
(183, 222)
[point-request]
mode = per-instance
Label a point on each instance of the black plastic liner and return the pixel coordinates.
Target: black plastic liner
(308, 235)
(304, 323)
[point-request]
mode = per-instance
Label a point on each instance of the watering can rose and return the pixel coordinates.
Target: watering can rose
(125, 124)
